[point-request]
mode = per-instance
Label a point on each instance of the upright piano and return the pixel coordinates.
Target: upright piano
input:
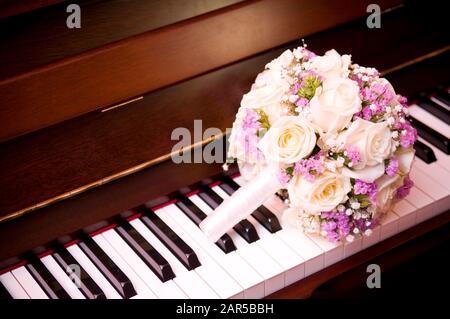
(89, 190)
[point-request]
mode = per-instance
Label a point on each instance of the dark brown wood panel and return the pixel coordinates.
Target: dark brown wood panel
(70, 155)
(117, 72)
(41, 37)
(10, 8)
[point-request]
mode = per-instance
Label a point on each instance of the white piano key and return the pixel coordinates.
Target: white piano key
(143, 292)
(406, 213)
(253, 254)
(334, 252)
(425, 183)
(388, 225)
(351, 248)
(166, 290)
(429, 120)
(28, 283)
(422, 202)
(93, 272)
(443, 159)
(372, 239)
(433, 188)
(12, 285)
(232, 263)
(216, 277)
(62, 277)
(189, 281)
(313, 255)
(294, 238)
(442, 104)
(439, 174)
(292, 263)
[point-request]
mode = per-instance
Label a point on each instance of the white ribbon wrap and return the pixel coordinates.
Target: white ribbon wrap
(241, 204)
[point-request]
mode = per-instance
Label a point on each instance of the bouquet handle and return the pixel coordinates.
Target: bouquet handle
(241, 204)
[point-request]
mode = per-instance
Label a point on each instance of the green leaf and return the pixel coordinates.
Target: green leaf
(308, 89)
(263, 119)
(290, 170)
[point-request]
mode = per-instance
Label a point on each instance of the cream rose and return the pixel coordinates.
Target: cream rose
(386, 188)
(334, 104)
(323, 194)
(267, 94)
(375, 144)
(388, 185)
(332, 64)
(288, 140)
(283, 61)
(373, 140)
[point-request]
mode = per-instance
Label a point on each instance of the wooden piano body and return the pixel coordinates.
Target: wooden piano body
(86, 114)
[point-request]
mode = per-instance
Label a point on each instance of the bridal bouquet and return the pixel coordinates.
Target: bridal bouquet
(330, 135)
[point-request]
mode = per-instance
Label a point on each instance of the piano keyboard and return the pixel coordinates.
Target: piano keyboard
(160, 252)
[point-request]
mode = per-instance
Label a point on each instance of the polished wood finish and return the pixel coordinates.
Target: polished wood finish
(66, 157)
(9, 8)
(56, 142)
(29, 41)
(116, 72)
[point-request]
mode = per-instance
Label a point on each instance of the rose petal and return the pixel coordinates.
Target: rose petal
(367, 174)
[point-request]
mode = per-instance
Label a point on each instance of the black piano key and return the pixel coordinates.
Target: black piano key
(169, 238)
(196, 215)
(190, 210)
(424, 152)
(435, 138)
(4, 294)
(107, 267)
(149, 255)
(243, 228)
(432, 108)
(88, 287)
(45, 279)
(443, 97)
(264, 216)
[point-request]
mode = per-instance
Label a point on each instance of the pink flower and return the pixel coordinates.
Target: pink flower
(283, 177)
(403, 190)
(310, 167)
(352, 154)
(302, 102)
(408, 134)
(363, 188)
(249, 131)
(392, 168)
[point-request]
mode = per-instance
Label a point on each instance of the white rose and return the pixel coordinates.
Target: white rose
(283, 61)
(386, 188)
(289, 139)
(334, 104)
(405, 157)
(373, 141)
(332, 64)
(388, 185)
(267, 94)
(323, 194)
